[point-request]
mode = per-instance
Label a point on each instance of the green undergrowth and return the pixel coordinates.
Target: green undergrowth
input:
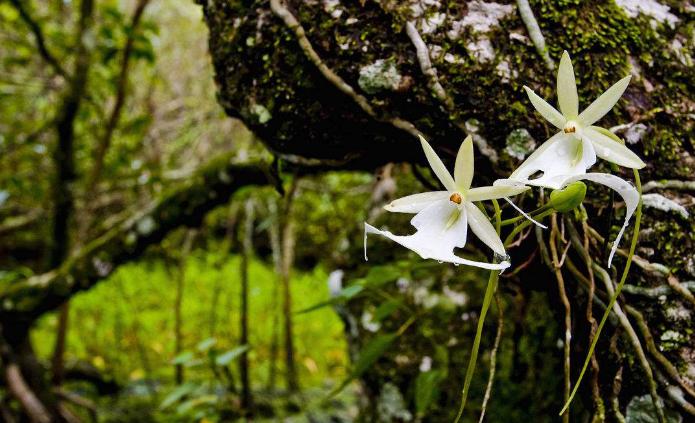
(125, 328)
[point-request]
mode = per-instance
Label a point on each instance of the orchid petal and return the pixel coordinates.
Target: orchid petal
(604, 103)
(489, 193)
(483, 229)
(437, 166)
(558, 158)
(450, 258)
(567, 88)
(415, 203)
(615, 152)
(626, 190)
(437, 235)
(545, 109)
(463, 170)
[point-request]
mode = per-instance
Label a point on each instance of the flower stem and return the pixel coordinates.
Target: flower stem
(633, 245)
(524, 225)
(489, 293)
(535, 213)
(491, 287)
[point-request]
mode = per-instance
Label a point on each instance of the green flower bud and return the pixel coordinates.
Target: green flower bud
(569, 197)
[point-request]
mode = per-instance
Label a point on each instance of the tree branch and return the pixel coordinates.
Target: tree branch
(36, 30)
(19, 388)
(213, 185)
(121, 93)
(293, 24)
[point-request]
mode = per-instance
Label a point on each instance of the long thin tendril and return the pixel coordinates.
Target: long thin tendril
(633, 245)
(489, 293)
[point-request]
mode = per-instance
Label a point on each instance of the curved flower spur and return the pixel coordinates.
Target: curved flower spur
(443, 217)
(567, 155)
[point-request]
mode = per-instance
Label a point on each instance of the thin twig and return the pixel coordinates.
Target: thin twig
(534, 32)
(121, 93)
(293, 24)
(37, 32)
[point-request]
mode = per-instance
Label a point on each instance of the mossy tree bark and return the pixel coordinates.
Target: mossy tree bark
(350, 84)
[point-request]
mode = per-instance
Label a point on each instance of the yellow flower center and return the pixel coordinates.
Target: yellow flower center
(456, 198)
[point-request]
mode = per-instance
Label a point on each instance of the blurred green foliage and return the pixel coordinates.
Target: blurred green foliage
(124, 327)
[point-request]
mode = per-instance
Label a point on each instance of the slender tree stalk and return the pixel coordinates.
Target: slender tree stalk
(288, 240)
(247, 251)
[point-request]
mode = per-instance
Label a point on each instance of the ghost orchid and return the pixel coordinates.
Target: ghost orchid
(567, 155)
(575, 147)
(443, 217)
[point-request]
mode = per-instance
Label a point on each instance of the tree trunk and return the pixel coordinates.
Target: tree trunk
(288, 238)
(180, 278)
(351, 84)
(246, 255)
(276, 248)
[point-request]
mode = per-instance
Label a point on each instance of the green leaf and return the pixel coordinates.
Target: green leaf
(183, 358)
(368, 356)
(187, 406)
(206, 344)
(229, 356)
(385, 309)
(380, 275)
(344, 295)
(177, 394)
(426, 390)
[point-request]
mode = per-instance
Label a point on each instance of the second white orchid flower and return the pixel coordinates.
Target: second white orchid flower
(567, 155)
(443, 217)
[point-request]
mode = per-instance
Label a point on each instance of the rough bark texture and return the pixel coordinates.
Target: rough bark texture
(306, 99)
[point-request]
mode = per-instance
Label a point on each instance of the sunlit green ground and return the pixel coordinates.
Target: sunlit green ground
(125, 326)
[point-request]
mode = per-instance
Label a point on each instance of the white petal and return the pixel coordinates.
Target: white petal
(437, 166)
(463, 170)
(500, 191)
(604, 103)
(416, 202)
(557, 159)
(627, 192)
(437, 235)
(545, 109)
(615, 152)
(483, 229)
(567, 88)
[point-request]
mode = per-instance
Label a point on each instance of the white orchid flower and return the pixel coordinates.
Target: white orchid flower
(567, 155)
(574, 149)
(443, 217)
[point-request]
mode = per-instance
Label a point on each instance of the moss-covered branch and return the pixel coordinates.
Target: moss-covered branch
(185, 205)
